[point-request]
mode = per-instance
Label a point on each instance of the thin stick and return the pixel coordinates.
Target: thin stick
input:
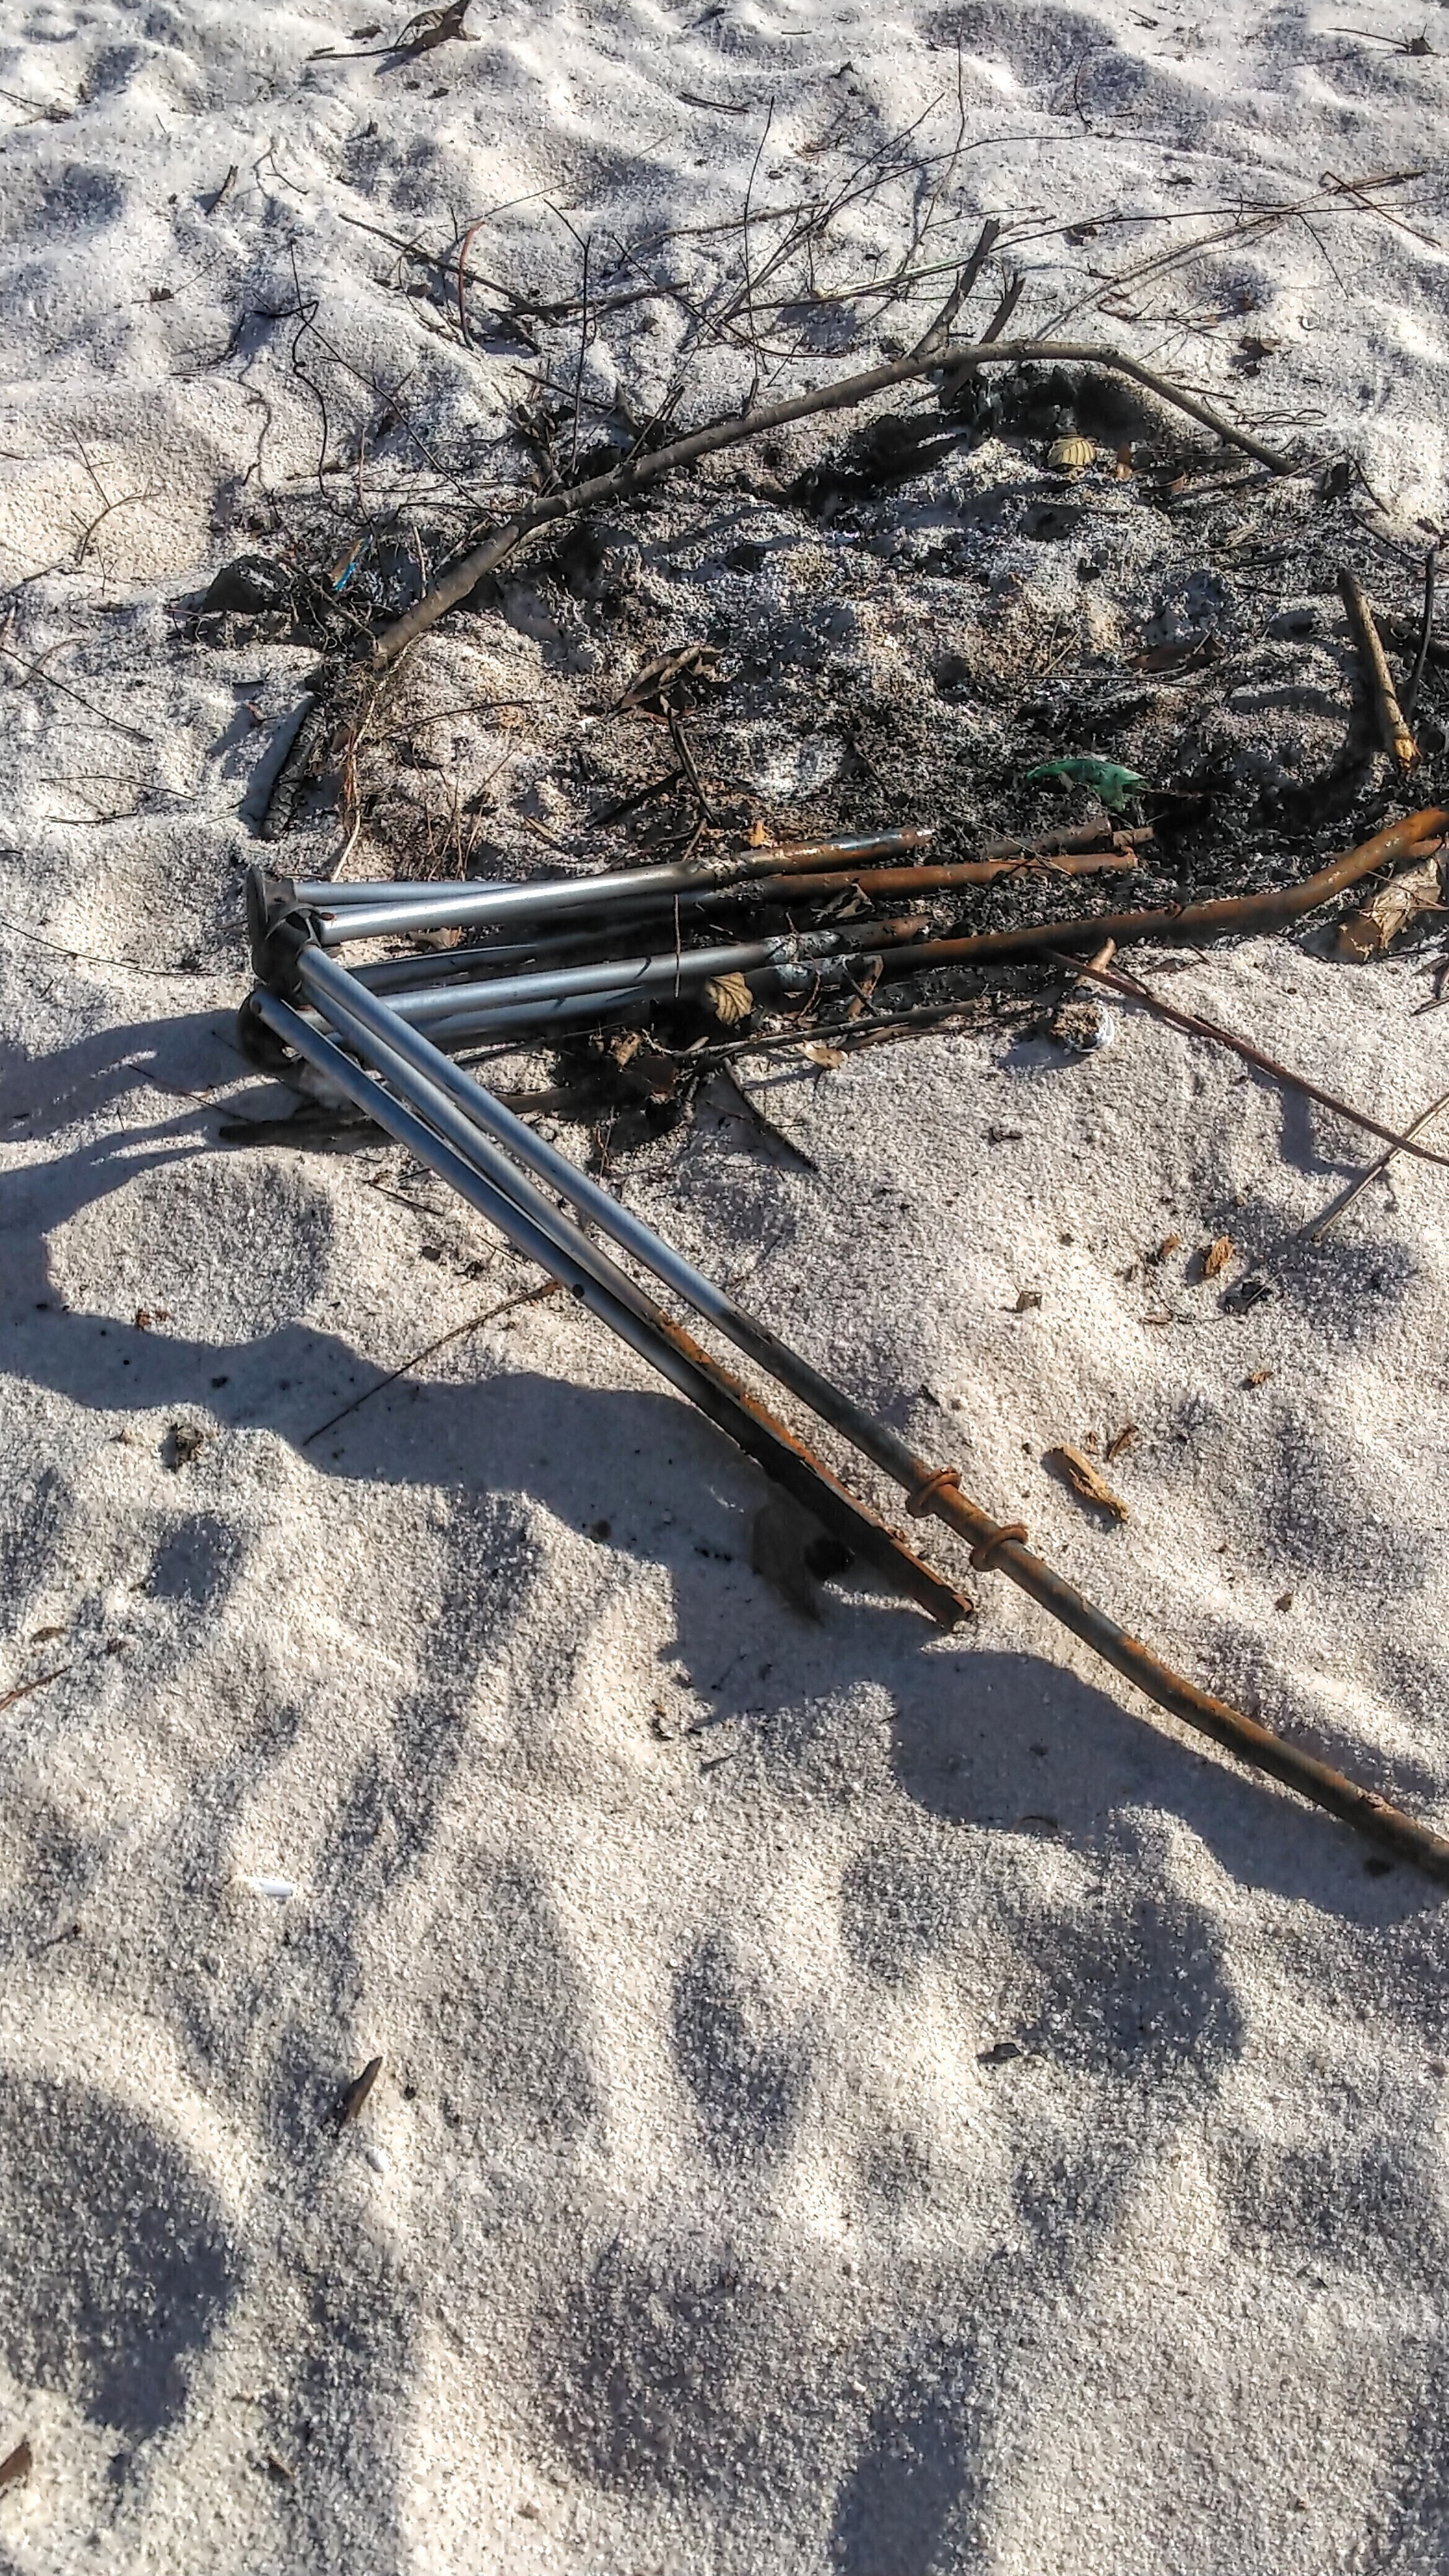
(752, 325)
(1393, 731)
(579, 371)
(23, 1690)
(1136, 991)
(1424, 1119)
(1409, 695)
(986, 241)
(464, 247)
(1011, 295)
(1230, 914)
(522, 1297)
(37, 671)
(464, 576)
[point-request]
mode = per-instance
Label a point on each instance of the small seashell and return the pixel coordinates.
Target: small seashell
(1069, 455)
(280, 1889)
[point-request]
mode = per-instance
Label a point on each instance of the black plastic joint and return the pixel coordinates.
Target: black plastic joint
(278, 929)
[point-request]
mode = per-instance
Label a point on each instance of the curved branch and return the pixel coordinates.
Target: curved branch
(950, 363)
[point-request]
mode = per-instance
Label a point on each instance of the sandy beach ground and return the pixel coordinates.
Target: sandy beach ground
(854, 2102)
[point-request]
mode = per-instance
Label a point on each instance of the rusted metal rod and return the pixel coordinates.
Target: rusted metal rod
(1004, 1550)
(446, 965)
(1243, 914)
(461, 906)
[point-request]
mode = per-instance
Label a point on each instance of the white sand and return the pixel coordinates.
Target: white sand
(700, 2218)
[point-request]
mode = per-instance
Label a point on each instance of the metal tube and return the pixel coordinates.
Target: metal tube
(541, 1233)
(354, 1011)
(399, 974)
(448, 907)
(929, 1489)
(636, 974)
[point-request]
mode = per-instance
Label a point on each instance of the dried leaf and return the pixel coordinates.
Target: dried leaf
(16, 2465)
(1257, 1377)
(357, 2092)
(828, 1056)
(1121, 1440)
(433, 27)
(1396, 906)
(759, 837)
(1026, 1298)
(665, 681)
(1169, 1243)
(1085, 1482)
(730, 998)
(1217, 1256)
(182, 1445)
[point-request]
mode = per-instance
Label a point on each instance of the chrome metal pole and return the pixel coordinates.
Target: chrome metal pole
(648, 974)
(542, 1233)
(457, 906)
(358, 1014)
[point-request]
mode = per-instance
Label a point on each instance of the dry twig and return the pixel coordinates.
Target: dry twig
(846, 394)
(1393, 731)
(474, 1323)
(23, 1690)
(1341, 1206)
(1409, 694)
(1136, 991)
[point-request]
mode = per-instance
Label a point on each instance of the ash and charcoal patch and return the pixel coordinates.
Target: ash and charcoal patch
(748, 2076)
(119, 2265)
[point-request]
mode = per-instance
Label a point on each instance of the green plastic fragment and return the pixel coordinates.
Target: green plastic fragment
(1113, 783)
